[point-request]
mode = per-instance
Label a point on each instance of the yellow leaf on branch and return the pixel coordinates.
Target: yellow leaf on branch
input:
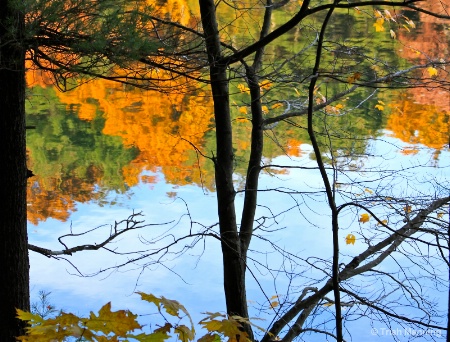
(243, 110)
(364, 218)
(350, 239)
(274, 304)
(266, 84)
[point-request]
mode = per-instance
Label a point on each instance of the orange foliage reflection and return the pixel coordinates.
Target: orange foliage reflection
(417, 123)
(163, 127)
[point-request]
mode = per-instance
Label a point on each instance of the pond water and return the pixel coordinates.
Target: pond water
(103, 151)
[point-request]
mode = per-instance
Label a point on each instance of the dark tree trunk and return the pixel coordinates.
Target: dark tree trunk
(14, 266)
(233, 262)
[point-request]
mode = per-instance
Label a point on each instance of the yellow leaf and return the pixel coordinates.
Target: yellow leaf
(364, 218)
(368, 190)
(393, 35)
(28, 316)
(379, 25)
(406, 27)
(243, 88)
(330, 304)
(379, 107)
(243, 110)
(377, 14)
(357, 10)
(277, 105)
(432, 71)
(116, 322)
(265, 109)
(407, 209)
(439, 215)
(266, 84)
(274, 304)
(350, 239)
(297, 92)
(213, 325)
(383, 221)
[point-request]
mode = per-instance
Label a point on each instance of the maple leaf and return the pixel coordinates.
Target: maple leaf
(28, 316)
(364, 218)
(184, 333)
(213, 325)
(116, 322)
(350, 239)
(432, 71)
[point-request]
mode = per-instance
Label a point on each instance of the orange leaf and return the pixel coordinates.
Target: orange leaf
(356, 76)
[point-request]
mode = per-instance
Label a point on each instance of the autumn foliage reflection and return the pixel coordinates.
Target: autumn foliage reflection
(165, 129)
(417, 123)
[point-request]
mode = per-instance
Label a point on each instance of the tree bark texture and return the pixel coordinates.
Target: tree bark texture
(14, 264)
(233, 262)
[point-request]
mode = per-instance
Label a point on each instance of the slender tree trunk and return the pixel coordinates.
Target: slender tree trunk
(14, 265)
(233, 263)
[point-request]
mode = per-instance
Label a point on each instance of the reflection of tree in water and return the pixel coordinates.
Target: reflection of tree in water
(159, 131)
(417, 123)
(72, 160)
